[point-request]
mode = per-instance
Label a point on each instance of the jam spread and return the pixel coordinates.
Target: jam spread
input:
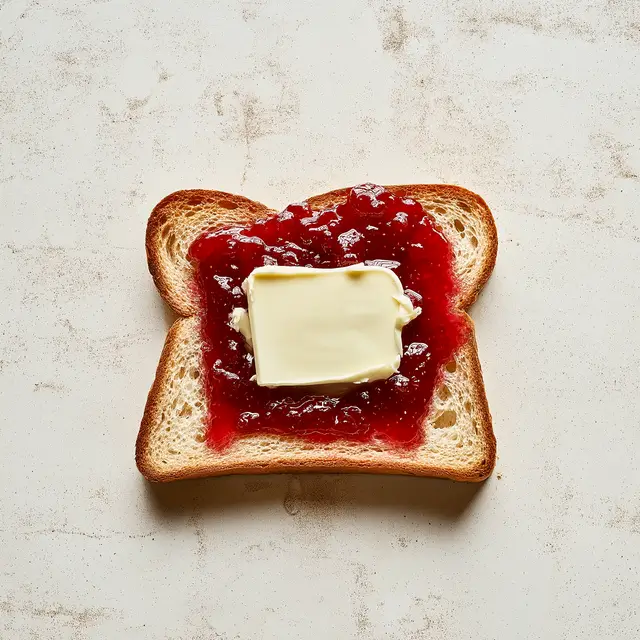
(373, 226)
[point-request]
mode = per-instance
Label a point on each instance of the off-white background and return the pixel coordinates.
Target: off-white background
(106, 107)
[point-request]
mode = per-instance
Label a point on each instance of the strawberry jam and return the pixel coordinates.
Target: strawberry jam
(372, 226)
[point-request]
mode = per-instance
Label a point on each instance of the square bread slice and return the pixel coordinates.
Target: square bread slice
(459, 443)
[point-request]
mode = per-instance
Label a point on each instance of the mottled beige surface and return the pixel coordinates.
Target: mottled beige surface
(105, 107)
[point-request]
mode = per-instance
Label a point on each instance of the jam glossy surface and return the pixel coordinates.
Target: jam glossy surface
(372, 226)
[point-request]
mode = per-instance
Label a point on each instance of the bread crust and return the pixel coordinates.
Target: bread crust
(214, 209)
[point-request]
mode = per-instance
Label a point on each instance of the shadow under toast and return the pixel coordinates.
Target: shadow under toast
(304, 494)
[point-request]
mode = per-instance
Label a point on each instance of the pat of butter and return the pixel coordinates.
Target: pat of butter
(324, 326)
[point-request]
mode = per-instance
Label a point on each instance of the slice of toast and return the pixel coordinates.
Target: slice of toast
(459, 443)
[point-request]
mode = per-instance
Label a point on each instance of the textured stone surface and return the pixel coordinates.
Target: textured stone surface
(105, 107)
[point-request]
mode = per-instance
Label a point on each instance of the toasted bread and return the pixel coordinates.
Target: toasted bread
(458, 438)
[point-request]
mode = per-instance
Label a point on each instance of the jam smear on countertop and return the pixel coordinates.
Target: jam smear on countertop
(373, 226)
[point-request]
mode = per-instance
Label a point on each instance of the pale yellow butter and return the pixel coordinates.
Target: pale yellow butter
(324, 326)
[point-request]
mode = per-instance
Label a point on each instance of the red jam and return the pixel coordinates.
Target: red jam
(373, 226)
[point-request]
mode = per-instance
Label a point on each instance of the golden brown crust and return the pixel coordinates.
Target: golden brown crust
(215, 208)
(152, 407)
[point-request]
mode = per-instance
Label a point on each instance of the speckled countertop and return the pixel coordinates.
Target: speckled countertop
(105, 107)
